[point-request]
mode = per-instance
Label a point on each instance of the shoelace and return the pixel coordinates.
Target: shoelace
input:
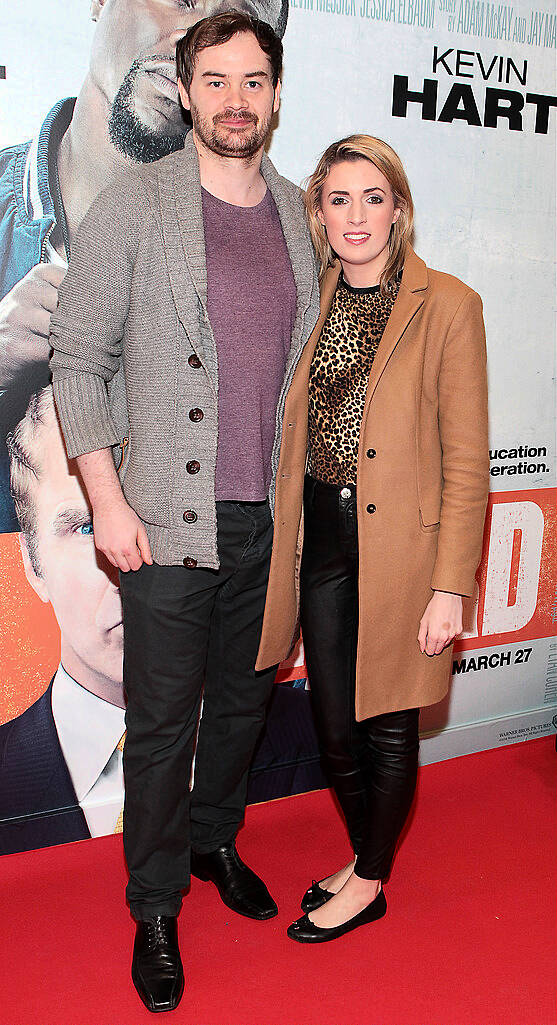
(157, 934)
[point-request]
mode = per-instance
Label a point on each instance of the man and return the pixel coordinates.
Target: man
(61, 777)
(127, 110)
(190, 295)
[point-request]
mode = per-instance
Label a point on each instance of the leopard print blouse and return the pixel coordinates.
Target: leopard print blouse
(338, 379)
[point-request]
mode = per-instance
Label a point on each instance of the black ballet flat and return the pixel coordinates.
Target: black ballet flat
(304, 930)
(315, 897)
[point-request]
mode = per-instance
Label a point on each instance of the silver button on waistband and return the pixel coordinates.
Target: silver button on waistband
(345, 492)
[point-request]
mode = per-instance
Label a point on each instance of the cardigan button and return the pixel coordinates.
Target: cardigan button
(371, 508)
(194, 361)
(193, 466)
(371, 453)
(190, 516)
(189, 563)
(195, 415)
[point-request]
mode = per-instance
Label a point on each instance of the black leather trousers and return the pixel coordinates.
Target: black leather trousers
(372, 765)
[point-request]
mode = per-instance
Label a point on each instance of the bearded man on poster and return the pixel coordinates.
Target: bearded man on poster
(127, 111)
(190, 295)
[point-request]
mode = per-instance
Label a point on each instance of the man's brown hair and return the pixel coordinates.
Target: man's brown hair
(220, 28)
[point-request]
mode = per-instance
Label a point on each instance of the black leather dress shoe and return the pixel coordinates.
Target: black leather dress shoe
(304, 930)
(240, 889)
(315, 897)
(157, 971)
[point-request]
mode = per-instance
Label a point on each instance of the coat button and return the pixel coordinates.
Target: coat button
(194, 361)
(193, 466)
(196, 415)
(370, 508)
(371, 453)
(190, 516)
(189, 563)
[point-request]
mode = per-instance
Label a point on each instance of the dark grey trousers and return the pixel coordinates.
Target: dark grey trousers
(188, 633)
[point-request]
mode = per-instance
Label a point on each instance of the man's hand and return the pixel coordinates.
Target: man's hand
(25, 320)
(121, 536)
(440, 623)
(119, 533)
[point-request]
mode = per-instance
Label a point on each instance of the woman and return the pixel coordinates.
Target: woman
(390, 399)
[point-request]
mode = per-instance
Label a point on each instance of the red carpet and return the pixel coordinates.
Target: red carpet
(467, 940)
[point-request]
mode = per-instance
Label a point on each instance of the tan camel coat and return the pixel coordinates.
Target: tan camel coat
(423, 472)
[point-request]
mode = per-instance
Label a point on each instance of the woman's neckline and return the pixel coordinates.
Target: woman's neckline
(369, 290)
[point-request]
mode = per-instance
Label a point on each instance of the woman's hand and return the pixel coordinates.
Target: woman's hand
(440, 623)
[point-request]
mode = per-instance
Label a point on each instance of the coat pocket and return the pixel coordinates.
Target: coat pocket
(429, 473)
(428, 528)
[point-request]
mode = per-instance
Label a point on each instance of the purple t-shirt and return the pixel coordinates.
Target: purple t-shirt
(251, 302)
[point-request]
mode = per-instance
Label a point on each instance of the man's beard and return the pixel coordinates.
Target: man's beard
(128, 133)
(227, 143)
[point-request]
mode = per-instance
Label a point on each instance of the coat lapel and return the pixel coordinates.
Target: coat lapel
(184, 240)
(408, 302)
(189, 214)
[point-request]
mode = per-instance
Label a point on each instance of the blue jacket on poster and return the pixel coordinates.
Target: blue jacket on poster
(38, 804)
(23, 239)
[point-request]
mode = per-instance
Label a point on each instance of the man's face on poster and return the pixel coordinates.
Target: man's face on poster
(133, 65)
(70, 574)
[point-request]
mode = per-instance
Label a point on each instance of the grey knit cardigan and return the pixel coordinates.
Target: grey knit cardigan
(131, 320)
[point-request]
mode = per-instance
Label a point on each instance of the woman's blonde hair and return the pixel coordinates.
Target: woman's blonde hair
(363, 147)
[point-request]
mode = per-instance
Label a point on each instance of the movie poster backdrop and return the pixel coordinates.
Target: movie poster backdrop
(465, 92)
